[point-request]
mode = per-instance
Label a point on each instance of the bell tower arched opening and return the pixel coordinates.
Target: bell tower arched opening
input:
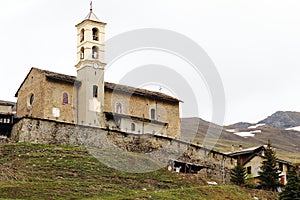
(82, 35)
(95, 34)
(82, 53)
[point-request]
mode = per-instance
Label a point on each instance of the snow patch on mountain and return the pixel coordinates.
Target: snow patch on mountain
(256, 126)
(247, 134)
(243, 133)
(231, 130)
(297, 128)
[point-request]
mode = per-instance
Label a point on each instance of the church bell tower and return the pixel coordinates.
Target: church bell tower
(90, 70)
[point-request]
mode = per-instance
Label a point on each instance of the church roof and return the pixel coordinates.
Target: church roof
(138, 91)
(57, 77)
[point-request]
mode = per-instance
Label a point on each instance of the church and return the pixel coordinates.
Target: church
(87, 100)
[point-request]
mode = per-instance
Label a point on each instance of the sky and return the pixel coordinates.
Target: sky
(254, 44)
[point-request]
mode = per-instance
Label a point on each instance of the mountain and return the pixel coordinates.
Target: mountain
(240, 125)
(282, 120)
(276, 127)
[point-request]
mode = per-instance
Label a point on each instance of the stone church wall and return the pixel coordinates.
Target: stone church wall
(42, 131)
(32, 86)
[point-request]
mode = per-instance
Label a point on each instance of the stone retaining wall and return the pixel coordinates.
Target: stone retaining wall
(159, 147)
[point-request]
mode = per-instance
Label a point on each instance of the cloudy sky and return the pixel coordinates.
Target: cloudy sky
(254, 44)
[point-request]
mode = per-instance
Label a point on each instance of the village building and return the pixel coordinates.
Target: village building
(7, 112)
(252, 158)
(89, 101)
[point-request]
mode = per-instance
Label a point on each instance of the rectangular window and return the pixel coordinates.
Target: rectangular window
(95, 91)
(249, 170)
(152, 113)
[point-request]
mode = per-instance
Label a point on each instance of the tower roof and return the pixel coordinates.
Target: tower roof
(92, 16)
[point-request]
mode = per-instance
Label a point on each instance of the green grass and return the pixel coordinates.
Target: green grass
(30, 171)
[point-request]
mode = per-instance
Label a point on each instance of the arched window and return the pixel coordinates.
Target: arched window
(132, 127)
(95, 34)
(31, 99)
(119, 108)
(94, 52)
(82, 53)
(65, 99)
(153, 114)
(82, 35)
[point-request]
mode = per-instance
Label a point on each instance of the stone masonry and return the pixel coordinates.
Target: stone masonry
(163, 148)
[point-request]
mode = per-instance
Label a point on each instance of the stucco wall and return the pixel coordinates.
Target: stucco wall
(255, 164)
(5, 109)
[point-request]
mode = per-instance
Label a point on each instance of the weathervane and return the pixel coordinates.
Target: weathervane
(91, 6)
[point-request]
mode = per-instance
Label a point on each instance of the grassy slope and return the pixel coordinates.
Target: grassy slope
(29, 171)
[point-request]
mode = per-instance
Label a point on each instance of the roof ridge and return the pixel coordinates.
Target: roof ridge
(108, 85)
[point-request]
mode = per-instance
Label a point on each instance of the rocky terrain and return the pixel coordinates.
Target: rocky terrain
(282, 120)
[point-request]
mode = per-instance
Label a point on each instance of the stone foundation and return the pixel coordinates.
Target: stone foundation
(158, 147)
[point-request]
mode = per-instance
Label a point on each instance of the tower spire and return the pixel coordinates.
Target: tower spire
(91, 6)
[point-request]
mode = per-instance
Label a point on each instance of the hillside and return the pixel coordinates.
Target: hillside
(196, 129)
(286, 142)
(29, 171)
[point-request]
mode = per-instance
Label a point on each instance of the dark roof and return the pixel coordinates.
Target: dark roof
(110, 86)
(255, 152)
(251, 150)
(140, 92)
(7, 103)
(284, 162)
(60, 77)
(51, 76)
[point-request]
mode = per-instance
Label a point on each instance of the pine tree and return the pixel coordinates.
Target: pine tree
(238, 174)
(292, 188)
(269, 174)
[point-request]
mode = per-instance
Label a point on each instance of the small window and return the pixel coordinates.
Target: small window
(82, 35)
(65, 99)
(31, 99)
(118, 108)
(153, 114)
(132, 126)
(280, 166)
(94, 52)
(95, 91)
(95, 34)
(82, 53)
(249, 170)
